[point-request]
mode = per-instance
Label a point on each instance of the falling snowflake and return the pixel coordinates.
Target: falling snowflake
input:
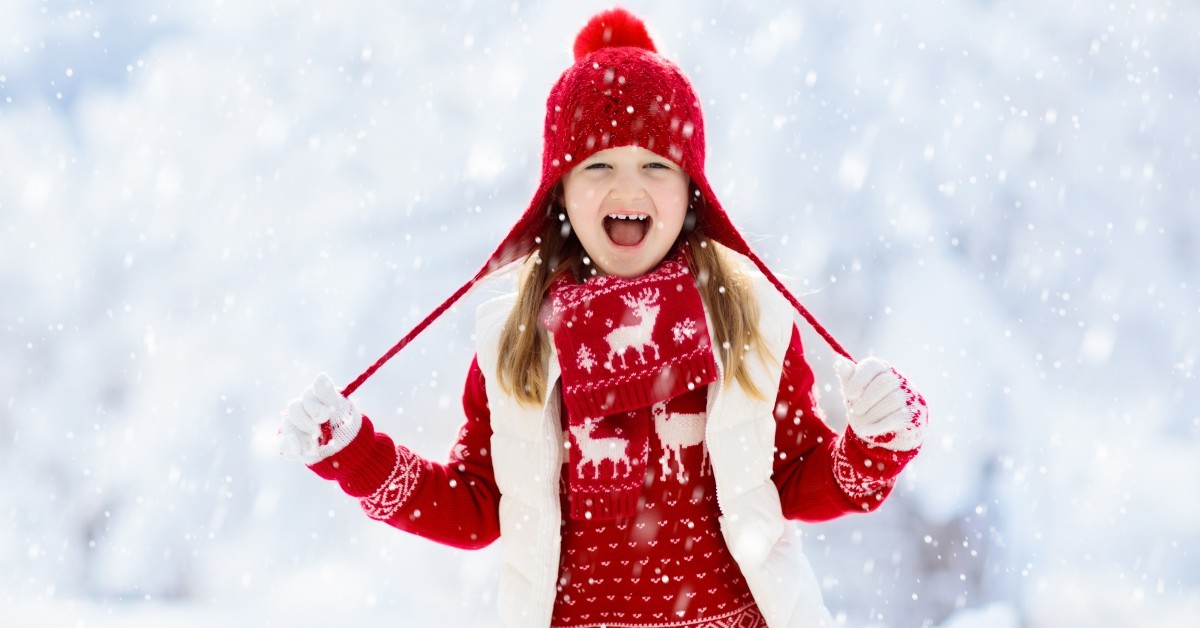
(684, 330)
(587, 359)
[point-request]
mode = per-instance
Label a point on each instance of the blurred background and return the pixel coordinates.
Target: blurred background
(204, 204)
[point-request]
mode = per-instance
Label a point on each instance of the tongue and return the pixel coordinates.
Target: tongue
(626, 232)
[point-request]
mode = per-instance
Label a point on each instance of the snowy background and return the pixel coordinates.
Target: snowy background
(203, 204)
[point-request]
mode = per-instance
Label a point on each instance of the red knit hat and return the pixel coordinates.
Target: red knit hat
(619, 92)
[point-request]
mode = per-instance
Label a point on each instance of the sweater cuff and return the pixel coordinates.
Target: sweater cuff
(393, 494)
(363, 465)
(867, 474)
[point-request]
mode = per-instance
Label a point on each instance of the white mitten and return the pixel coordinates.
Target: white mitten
(319, 424)
(881, 407)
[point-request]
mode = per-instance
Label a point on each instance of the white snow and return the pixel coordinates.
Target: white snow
(202, 205)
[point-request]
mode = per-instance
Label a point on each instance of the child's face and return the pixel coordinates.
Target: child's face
(627, 206)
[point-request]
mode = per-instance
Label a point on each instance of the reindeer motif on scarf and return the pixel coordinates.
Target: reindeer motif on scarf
(593, 451)
(637, 337)
(676, 431)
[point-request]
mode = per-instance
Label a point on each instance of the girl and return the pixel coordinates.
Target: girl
(640, 418)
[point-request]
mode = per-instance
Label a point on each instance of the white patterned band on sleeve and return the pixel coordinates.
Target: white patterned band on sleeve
(853, 482)
(391, 497)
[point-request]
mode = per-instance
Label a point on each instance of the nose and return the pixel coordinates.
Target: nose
(627, 186)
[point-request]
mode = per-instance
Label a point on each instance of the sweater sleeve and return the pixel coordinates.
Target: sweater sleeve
(820, 474)
(455, 503)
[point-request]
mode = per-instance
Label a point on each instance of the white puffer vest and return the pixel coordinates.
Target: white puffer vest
(527, 446)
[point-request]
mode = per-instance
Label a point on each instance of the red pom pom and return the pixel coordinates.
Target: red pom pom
(610, 29)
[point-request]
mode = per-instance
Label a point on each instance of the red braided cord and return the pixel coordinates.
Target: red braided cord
(812, 320)
(458, 294)
(441, 309)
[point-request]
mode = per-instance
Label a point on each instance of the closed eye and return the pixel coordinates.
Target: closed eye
(596, 166)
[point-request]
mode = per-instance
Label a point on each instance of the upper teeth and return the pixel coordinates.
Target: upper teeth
(628, 216)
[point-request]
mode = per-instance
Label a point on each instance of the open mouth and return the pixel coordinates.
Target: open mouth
(627, 229)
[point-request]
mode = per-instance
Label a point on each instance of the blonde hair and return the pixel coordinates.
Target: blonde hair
(724, 288)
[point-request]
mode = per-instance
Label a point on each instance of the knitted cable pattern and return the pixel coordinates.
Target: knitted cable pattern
(855, 482)
(395, 491)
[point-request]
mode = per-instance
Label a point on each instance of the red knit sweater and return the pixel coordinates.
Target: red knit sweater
(666, 566)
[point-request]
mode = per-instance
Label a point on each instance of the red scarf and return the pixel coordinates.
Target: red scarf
(623, 345)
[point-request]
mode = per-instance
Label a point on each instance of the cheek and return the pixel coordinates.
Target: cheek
(579, 196)
(678, 187)
(674, 199)
(580, 203)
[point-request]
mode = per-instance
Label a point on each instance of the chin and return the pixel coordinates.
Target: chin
(628, 269)
(629, 274)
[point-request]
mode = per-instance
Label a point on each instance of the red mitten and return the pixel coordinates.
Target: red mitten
(882, 408)
(319, 424)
